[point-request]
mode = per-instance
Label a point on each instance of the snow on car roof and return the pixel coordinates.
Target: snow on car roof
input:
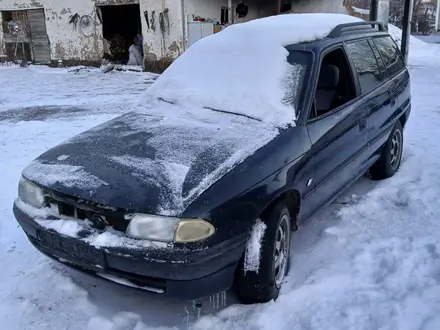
(242, 68)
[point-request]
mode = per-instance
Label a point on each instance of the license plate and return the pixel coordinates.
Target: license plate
(70, 249)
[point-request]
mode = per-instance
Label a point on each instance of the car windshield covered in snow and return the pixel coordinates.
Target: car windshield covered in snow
(292, 84)
(246, 69)
(300, 62)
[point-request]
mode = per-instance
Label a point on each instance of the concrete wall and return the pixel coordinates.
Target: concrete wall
(212, 9)
(258, 9)
(66, 42)
(169, 44)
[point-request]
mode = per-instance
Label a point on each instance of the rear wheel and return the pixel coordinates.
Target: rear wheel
(391, 155)
(264, 284)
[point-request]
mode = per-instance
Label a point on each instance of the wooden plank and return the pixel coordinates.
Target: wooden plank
(38, 32)
(10, 38)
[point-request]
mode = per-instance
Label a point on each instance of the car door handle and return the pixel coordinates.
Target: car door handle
(392, 98)
(363, 124)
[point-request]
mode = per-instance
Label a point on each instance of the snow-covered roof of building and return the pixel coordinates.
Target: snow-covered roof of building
(243, 68)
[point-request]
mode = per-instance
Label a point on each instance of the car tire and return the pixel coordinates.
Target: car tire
(264, 285)
(391, 155)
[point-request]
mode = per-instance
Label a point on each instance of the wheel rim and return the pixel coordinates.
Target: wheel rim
(281, 250)
(396, 149)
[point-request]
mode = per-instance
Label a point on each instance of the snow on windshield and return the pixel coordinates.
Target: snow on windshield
(243, 68)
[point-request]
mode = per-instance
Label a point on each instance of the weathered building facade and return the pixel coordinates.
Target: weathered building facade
(76, 31)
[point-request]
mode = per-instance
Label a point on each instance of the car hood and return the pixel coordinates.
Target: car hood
(151, 162)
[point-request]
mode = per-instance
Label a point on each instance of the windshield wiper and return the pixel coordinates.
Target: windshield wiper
(166, 101)
(217, 110)
(233, 113)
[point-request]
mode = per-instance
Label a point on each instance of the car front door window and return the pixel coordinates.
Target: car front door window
(335, 85)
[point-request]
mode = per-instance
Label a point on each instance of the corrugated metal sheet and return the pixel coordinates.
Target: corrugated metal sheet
(40, 40)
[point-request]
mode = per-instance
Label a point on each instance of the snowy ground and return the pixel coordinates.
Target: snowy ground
(371, 260)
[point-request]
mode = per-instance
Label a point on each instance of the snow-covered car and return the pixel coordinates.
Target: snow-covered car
(235, 146)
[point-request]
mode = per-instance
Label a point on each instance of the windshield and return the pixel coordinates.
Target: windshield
(296, 78)
(261, 84)
(243, 68)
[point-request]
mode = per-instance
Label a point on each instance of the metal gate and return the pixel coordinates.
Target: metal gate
(39, 39)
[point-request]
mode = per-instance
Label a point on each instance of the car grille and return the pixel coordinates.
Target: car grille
(76, 208)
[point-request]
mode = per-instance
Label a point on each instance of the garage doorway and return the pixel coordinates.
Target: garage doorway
(120, 25)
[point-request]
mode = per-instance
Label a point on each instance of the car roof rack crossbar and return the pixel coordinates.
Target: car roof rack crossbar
(358, 27)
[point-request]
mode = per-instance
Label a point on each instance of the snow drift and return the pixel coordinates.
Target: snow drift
(396, 34)
(420, 53)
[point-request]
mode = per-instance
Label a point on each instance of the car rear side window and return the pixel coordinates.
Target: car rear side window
(390, 54)
(364, 60)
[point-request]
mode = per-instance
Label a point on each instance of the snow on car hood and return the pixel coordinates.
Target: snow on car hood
(155, 161)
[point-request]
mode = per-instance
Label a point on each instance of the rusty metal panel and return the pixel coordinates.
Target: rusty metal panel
(39, 38)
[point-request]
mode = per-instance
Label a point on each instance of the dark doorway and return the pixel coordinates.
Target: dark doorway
(120, 24)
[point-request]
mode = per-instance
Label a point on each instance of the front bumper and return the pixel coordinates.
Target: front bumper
(187, 274)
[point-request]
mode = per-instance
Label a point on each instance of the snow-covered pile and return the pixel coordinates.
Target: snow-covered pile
(225, 71)
(420, 53)
(253, 247)
(414, 42)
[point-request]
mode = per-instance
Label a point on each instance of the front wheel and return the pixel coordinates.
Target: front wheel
(391, 156)
(263, 283)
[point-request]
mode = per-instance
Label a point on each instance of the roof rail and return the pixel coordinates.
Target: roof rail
(358, 27)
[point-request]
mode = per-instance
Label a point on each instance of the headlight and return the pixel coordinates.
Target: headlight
(155, 228)
(168, 229)
(193, 230)
(30, 193)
